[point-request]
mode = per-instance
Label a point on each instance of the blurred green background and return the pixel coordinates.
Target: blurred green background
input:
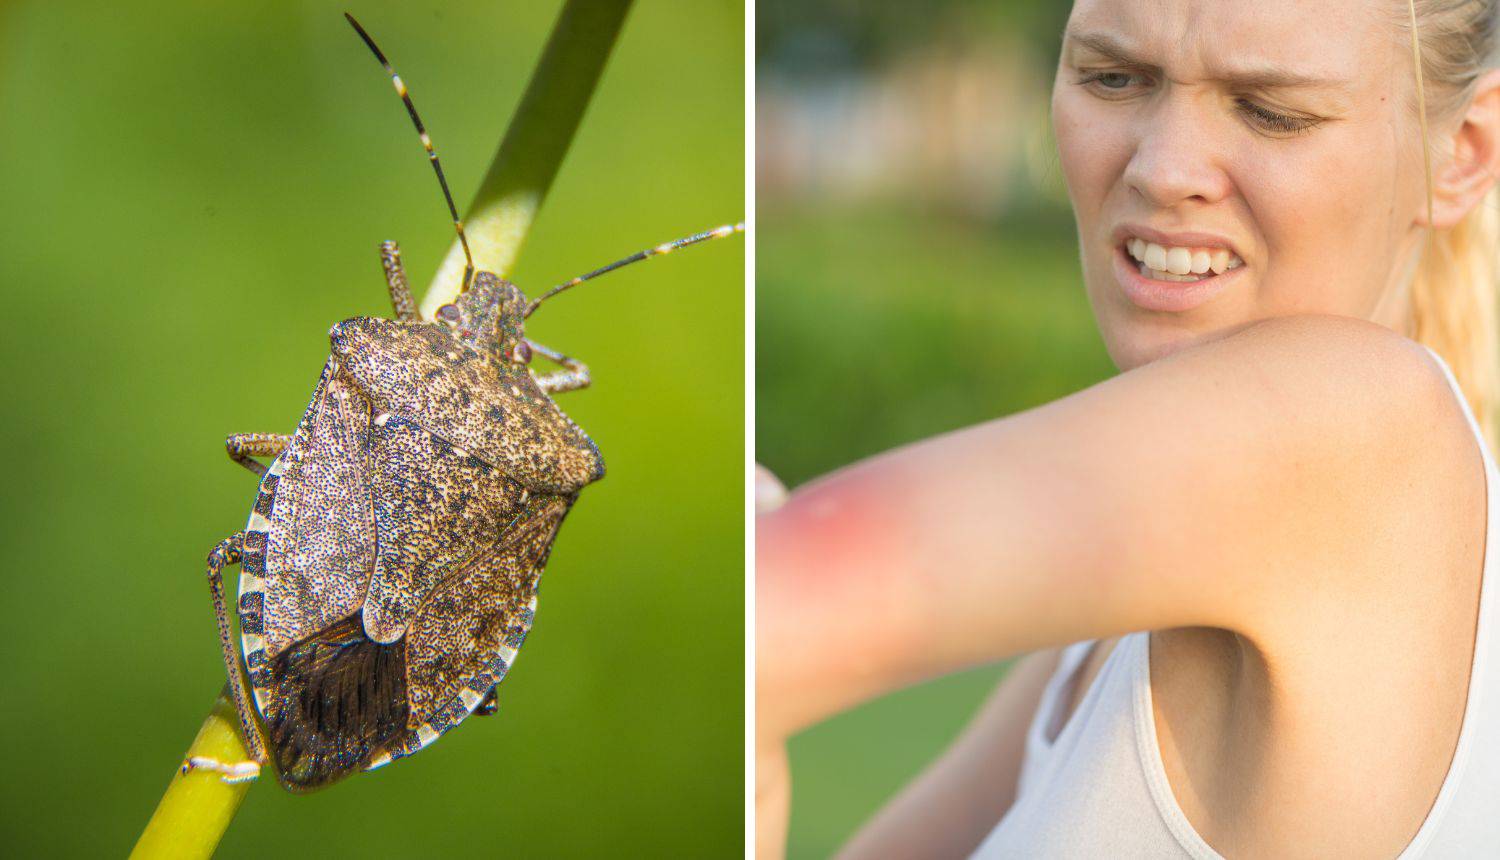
(917, 271)
(190, 195)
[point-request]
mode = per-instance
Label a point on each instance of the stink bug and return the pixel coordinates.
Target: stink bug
(390, 563)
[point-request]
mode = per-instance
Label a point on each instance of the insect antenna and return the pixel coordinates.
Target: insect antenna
(458, 225)
(665, 248)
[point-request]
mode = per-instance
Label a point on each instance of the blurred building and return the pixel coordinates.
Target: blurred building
(960, 127)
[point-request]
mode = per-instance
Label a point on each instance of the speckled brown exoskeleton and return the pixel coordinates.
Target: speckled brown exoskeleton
(390, 564)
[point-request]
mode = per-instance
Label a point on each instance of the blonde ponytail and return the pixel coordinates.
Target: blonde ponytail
(1454, 291)
(1453, 301)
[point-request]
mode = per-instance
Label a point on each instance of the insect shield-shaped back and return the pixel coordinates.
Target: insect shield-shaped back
(391, 561)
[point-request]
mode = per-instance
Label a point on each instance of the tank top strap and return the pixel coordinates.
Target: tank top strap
(1463, 403)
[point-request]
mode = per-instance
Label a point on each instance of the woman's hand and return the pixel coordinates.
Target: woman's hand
(770, 493)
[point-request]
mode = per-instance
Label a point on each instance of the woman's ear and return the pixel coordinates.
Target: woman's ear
(1474, 168)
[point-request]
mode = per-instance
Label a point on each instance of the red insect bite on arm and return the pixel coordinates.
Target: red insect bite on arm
(838, 601)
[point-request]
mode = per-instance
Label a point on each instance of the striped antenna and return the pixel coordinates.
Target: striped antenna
(400, 85)
(666, 248)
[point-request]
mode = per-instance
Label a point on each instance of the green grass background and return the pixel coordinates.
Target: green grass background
(190, 195)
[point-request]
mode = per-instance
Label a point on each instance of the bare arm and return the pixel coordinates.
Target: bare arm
(1226, 485)
(957, 800)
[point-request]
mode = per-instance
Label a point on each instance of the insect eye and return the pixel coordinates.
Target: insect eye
(448, 313)
(522, 352)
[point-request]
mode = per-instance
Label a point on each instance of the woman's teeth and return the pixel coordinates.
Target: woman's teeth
(1181, 264)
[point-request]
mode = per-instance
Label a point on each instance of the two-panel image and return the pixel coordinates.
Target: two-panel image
(596, 428)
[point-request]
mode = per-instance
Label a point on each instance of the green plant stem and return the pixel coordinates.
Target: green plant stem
(522, 170)
(198, 806)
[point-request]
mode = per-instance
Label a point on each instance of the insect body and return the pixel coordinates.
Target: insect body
(390, 563)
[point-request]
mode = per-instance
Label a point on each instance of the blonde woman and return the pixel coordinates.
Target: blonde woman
(1255, 573)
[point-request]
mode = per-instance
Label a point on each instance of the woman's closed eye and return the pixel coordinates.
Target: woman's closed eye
(1115, 85)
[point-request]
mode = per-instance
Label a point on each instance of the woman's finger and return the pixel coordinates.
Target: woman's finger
(770, 493)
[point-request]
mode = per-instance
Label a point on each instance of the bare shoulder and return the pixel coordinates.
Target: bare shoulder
(1352, 403)
(1341, 340)
(1353, 424)
(1327, 365)
(1320, 396)
(1277, 457)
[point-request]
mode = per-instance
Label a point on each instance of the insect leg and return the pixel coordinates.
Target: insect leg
(395, 279)
(243, 446)
(226, 553)
(574, 376)
(488, 706)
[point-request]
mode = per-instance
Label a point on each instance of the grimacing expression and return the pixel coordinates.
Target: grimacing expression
(1285, 128)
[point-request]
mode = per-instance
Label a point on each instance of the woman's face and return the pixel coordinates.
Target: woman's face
(1280, 130)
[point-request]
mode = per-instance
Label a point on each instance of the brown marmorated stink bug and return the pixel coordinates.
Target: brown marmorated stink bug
(389, 567)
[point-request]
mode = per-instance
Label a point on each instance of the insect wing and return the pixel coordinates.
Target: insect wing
(335, 700)
(436, 508)
(310, 541)
(465, 637)
(486, 405)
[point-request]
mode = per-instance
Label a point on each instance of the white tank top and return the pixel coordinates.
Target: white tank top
(1099, 788)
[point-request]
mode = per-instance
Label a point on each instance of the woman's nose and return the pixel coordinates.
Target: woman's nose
(1178, 154)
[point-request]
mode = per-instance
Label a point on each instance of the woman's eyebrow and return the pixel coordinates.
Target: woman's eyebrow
(1249, 77)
